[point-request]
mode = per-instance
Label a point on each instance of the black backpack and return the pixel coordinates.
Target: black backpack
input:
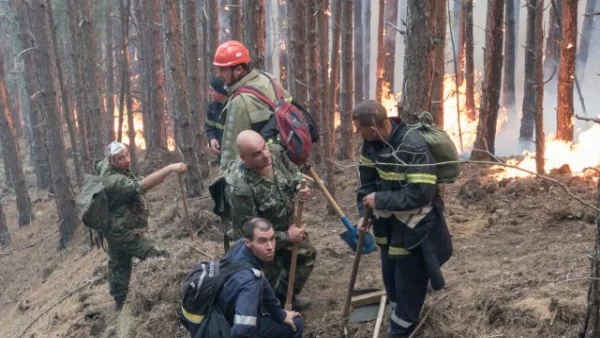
(199, 290)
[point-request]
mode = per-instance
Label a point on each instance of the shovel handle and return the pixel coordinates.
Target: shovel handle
(292, 277)
(325, 192)
(185, 208)
(379, 317)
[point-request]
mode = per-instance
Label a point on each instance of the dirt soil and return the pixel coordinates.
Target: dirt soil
(520, 266)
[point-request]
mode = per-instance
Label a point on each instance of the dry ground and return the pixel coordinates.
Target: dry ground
(519, 268)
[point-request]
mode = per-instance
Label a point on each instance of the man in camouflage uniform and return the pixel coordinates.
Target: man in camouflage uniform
(128, 210)
(264, 183)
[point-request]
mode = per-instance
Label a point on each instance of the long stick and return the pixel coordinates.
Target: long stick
(379, 317)
(292, 277)
(332, 202)
(185, 208)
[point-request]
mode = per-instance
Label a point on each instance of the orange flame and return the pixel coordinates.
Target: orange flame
(138, 127)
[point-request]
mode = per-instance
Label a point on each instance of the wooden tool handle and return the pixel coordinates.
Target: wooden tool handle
(325, 192)
(292, 277)
(185, 208)
(379, 317)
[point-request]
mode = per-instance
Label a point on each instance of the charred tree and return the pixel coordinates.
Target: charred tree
(184, 134)
(298, 47)
(367, 52)
(566, 71)
(110, 78)
(35, 116)
(359, 94)
(125, 10)
(510, 54)
(235, 19)
(347, 92)
(553, 42)
(312, 72)
(439, 70)
(490, 89)
(469, 63)
(12, 156)
(529, 99)
(379, 83)
(584, 40)
(540, 138)
(253, 34)
(65, 201)
(418, 59)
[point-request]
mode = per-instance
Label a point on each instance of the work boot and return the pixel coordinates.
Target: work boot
(301, 303)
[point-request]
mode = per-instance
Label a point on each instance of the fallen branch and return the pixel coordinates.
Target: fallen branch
(28, 245)
(435, 303)
(198, 250)
(590, 119)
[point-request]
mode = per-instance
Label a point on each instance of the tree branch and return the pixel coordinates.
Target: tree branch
(590, 119)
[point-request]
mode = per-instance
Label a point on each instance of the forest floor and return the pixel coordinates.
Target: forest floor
(520, 266)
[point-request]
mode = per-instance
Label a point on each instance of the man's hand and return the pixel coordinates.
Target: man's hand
(363, 228)
(179, 168)
(215, 147)
(304, 193)
(295, 234)
(289, 318)
(369, 201)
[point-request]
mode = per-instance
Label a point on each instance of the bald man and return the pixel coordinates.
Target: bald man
(264, 183)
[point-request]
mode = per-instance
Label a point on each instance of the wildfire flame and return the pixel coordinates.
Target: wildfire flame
(138, 127)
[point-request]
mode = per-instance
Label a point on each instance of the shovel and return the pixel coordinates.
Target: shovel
(350, 236)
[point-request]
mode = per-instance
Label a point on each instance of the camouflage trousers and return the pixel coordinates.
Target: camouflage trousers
(278, 271)
(121, 251)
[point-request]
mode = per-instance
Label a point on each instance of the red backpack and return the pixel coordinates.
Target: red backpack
(293, 125)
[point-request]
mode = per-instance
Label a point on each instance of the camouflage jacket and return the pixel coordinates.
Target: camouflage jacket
(250, 195)
(126, 202)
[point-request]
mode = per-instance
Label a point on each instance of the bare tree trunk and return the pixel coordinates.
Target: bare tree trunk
(325, 101)
(12, 156)
(367, 52)
(212, 10)
(125, 10)
(298, 45)
(490, 89)
(285, 68)
(419, 59)
(40, 154)
(347, 129)
(379, 83)
(468, 61)
(110, 77)
(457, 26)
(540, 139)
(141, 33)
(235, 19)
(5, 238)
(334, 79)
(586, 37)
(553, 42)
(566, 73)
(66, 104)
(437, 93)
(185, 137)
(92, 88)
(389, 45)
(312, 72)
(65, 201)
(194, 86)
(510, 54)
(462, 40)
(253, 34)
(529, 100)
(159, 119)
(359, 94)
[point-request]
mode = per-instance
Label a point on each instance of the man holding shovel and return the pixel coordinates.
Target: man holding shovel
(409, 227)
(264, 183)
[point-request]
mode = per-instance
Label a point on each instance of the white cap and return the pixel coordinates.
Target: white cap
(114, 148)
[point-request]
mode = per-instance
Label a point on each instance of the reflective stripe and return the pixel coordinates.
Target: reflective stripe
(214, 124)
(366, 161)
(381, 240)
(196, 319)
(421, 178)
(398, 251)
(400, 321)
(244, 320)
(391, 175)
(395, 176)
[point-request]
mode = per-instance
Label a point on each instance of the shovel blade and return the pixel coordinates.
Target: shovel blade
(351, 238)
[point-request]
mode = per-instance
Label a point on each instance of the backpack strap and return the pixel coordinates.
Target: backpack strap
(276, 87)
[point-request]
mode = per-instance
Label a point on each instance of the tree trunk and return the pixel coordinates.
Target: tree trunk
(212, 10)
(298, 45)
(591, 324)
(65, 201)
(125, 10)
(110, 77)
(12, 156)
(346, 95)
(253, 35)
(462, 40)
(366, 31)
(359, 94)
(92, 88)
(5, 238)
(313, 75)
(456, 25)
(325, 100)
(586, 37)
(566, 72)
(437, 92)
(379, 82)
(185, 137)
(235, 19)
(142, 34)
(334, 77)
(40, 154)
(510, 54)
(469, 63)
(490, 89)
(540, 139)
(553, 42)
(282, 45)
(419, 59)
(158, 96)
(77, 57)
(194, 87)
(529, 100)
(66, 104)
(389, 45)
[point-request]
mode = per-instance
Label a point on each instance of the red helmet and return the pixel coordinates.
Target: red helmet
(231, 53)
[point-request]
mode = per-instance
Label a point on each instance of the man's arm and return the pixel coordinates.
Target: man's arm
(158, 176)
(237, 121)
(367, 180)
(271, 303)
(246, 307)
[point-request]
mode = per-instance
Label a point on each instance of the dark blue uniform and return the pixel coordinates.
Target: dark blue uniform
(408, 224)
(215, 119)
(249, 304)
